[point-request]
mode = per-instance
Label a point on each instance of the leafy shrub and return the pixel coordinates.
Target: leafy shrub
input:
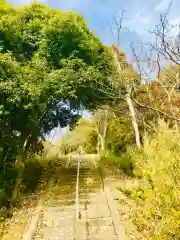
(31, 175)
(136, 192)
(3, 196)
(158, 164)
(122, 162)
(36, 173)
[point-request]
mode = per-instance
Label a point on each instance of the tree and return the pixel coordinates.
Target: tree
(84, 135)
(130, 80)
(57, 63)
(126, 78)
(51, 67)
(162, 59)
(100, 119)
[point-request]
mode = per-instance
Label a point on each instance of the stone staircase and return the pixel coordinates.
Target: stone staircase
(95, 218)
(57, 219)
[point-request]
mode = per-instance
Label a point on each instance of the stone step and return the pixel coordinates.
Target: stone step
(89, 173)
(82, 181)
(64, 179)
(63, 191)
(62, 186)
(60, 203)
(73, 178)
(85, 202)
(95, 229)
(66, 174)
(61, 196)
(89, 180)
(104, 236)
(89, 184)
(66, 202)
(90, 190)
(84, 195)
(94, 210)
(39, 237)
(65, 209)
(66, 231)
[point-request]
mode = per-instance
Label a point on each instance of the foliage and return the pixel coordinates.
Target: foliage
(158, 166)
(122, 162)
(51, 67)
(119, 138)
(119, 132)
(83, 135)
(161, 94)
(37, 172)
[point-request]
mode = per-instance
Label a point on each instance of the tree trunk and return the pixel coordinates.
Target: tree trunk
(20, 169)
(98, 145)
(102, 141)
(133, 119)
(101, 145)
(105, 125)
(132, 112)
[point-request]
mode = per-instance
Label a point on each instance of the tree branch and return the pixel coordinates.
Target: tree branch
(153, 109)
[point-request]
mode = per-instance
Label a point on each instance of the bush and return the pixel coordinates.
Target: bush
(123, 162)
(31, 175)
(3, 196)
(158, 164)
(8, 175)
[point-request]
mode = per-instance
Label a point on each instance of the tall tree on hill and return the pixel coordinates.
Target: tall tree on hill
(51, 66)
(129, 78)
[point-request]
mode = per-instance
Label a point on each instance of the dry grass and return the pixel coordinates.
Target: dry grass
(157, 194)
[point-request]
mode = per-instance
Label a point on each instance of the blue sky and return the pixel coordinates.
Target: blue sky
(140, 16)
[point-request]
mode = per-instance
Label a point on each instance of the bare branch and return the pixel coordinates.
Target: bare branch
(146, 125)
(118, 23)
(153, 109)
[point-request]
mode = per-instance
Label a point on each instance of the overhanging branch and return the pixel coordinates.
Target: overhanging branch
(151, 108)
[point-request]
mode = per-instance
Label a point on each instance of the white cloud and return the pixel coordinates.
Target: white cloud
(162, 6)
(77, 5)
(140, 23)
(24, 2)
(175, 24)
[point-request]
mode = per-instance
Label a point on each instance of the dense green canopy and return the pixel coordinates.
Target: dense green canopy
(51, 66)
